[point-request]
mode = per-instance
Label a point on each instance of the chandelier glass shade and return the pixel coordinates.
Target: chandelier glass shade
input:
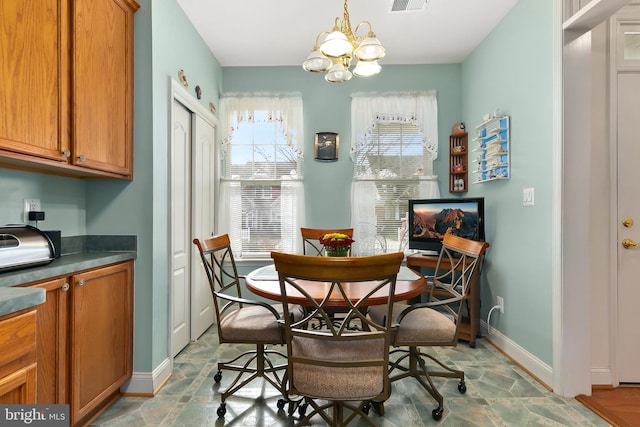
(334, 51)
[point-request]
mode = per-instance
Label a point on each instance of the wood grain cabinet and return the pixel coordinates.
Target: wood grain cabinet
(18, 358)
(66, 86)
(85, 339)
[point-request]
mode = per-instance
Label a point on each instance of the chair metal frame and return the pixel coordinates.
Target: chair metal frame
(459, 263)
(310, 243)
(311, 374)
(219, 264)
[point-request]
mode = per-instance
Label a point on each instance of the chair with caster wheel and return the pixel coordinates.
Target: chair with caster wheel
(437, 321)
(240, 320)
(336, 371)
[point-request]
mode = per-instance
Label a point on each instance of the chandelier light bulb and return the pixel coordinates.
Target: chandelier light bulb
(367, 68)
(338, 73)
(336, 45)
(370, 49)
(316, 62)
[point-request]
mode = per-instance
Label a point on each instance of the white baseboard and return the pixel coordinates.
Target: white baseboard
(525, 359)
(147, 383)
(601, 376)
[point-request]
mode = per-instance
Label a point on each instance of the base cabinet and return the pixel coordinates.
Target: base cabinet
(18, 358)
(85, 333)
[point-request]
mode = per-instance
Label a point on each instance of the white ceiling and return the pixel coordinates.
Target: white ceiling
(282, 32)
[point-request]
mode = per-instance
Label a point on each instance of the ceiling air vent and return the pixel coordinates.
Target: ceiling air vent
(408, 5)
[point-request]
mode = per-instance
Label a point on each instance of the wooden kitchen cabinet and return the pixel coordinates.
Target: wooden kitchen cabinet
(18, 358)
(66, 86)
(86, 339)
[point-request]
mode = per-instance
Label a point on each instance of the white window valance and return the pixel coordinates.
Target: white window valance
(420, 109)
(285, 110)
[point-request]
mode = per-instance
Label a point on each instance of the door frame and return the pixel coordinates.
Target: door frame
(184, 97)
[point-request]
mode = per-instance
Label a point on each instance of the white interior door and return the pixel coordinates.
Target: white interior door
(628, 106)
(203, 192)
(180, 228)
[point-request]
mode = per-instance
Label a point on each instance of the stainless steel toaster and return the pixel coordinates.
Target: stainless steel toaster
(24, 246)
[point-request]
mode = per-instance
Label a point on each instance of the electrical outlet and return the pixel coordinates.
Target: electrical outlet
(29, 206)
(501, 304)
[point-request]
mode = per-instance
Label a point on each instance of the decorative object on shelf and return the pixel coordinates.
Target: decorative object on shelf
(458, 160)
(326, 146)
(492, 139)
(198, 92)
(212, 107)
(459, 129)
(336, 244)
(340, 46)
(183, 78)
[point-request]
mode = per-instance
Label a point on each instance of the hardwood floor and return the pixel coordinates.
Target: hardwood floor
(619, 406)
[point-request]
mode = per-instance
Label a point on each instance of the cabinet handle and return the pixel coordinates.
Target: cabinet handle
(66, 153)
(82, 157)
(65, 287)
(80, 282)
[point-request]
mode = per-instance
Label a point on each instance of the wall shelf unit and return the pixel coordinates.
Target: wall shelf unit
(491, 157)
(458, 163)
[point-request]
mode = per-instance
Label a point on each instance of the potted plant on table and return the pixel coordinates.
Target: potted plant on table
(336, 244)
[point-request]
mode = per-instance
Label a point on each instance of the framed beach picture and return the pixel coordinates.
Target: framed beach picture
(326, 146)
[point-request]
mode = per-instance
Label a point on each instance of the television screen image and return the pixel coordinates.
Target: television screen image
(431, 219)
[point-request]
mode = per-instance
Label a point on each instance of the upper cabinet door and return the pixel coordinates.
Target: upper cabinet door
(102, 88)
(34, 78)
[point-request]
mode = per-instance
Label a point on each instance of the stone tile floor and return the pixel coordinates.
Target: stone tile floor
(499, 393)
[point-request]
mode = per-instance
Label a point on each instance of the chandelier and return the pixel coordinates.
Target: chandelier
(340, 46)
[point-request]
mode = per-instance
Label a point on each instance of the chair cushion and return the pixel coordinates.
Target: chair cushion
(254, 324)
(338, 383)
(419, 327)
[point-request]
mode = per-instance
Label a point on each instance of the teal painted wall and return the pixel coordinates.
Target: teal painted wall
(327, 107)
(512, 70)
(61, 198)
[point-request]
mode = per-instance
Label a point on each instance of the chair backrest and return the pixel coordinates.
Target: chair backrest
(337, 362)
(220, 266)
(310, 243)
(458, 265)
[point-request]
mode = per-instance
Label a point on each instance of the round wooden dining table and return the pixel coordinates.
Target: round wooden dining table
(264, 282)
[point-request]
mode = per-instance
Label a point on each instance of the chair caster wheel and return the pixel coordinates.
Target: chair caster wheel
(366, 408)
(302, 409)
(281, 403)
(462, 387)
(222, 410)
(472, 344)
(378, 407)
(217, 377)
(436, 414)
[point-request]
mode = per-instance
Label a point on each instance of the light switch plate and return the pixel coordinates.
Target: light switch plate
(528, 197)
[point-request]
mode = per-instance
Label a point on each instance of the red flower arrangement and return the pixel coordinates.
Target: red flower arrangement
(336, 244)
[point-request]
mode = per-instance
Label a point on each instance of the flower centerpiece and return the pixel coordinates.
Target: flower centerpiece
(336, 244)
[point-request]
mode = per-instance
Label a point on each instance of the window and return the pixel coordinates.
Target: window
(393, 152)
(261, 192)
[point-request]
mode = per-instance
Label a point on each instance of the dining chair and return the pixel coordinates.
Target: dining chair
(310, 243)
(435, 322)
(241, 320)
(335, 370)
(311, 246)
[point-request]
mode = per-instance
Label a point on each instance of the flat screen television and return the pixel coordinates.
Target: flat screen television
(431, 219)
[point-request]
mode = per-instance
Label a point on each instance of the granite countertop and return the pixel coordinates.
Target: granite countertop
(79, 253)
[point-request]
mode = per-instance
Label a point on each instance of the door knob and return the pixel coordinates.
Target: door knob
(627, 222)
(628, 243)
